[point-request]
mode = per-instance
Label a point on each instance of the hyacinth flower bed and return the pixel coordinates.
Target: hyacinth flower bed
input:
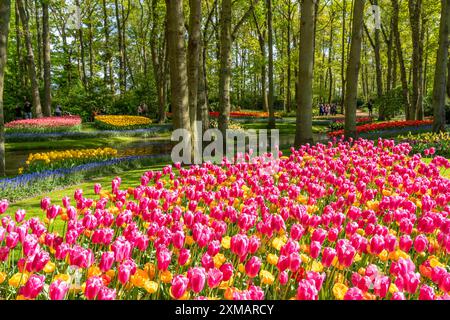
(346, 220)
(52, 160)
(393, 126)
(437, 143)
(44, 125)
(31, 184)
(121, 122)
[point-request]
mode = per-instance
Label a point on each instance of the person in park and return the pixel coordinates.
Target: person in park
(58, 111)
(18, 112)
(27, 108)
(370, 107)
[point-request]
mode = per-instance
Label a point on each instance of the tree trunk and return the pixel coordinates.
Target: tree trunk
(202, 103)
(5, 12)
(289, 72)
(20, 60)
(343, 59)
(121, 51)
(304, 133)
(271, 85)
(415, 15)
(108, 76)
(353, 69)
(158, 63)
(40, 69)
(193, 66)
(401, 61)
(30, 59)
(178, 70)
(439, 90)
(262, 47)
(47, 108)
(225, 67)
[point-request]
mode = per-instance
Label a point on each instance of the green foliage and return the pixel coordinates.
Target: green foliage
(392, 102)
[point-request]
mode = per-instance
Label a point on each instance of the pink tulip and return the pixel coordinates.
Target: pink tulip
(252, 266)
(184, 256)
(420, 243)
(58, 290)
(45, 203)
(426, 293)
(215, 277)
(106, 261)
(227, 271)
(197, 279)
(20, 215)
(164, 257)
(179, 286)
(93, 286)
(33, 286)
(354, 294)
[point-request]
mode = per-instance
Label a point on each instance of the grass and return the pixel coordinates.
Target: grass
(79, 143)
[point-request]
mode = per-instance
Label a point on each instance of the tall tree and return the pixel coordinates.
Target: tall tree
(415, 16)
(227, 35)
(262, 47)
(193, 65)
(177, 59)
(305, 75)
(5, 12)
(353, 69)
(270, 44)
(47, 108)
(401, 61)
(439, 91)
(30, 59)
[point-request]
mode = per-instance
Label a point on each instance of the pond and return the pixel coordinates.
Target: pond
(16, 158)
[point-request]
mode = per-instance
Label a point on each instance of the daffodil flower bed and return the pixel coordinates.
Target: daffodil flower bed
(437, 143)
(121, 122)
(347, 220)
(52, 160)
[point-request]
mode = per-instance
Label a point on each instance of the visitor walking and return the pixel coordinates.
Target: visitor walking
(27, 109)
(18, 112)
(58, 111)
(370, 107)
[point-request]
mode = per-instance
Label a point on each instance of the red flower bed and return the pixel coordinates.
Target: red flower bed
(384, 125)
(49, 122)
(237, 114)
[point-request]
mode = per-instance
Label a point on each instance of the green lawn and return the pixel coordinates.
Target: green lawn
(284, 127)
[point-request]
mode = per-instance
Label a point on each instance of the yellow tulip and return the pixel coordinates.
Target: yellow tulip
(150, 286)
(18, 279)
(266, 277)
(272, 259)
(166, 276)
(49, 267)
(226, 242)
(2, 277)
(339, 291)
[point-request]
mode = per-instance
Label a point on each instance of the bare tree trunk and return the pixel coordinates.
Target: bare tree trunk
(30, 58)
(401, 61)
(121, 50)
(108, 76)
(46, 48)
(343, 59)
(353, 69)
(193, 66)
(270, 43)
(225, 67)
(178, 70)
(262, 47)
(304, 133)
(415, 15)
(439, 90)
(158, 62)
(202, 103)
(21, 64)
(289, 54)
(5, 12)
(40, 69)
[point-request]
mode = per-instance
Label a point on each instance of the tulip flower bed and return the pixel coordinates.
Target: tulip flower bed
(351, 221)
(381, 126)
(437, 143)
(121, 122)
(42, 125)
(52, 160)
(339, 123)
